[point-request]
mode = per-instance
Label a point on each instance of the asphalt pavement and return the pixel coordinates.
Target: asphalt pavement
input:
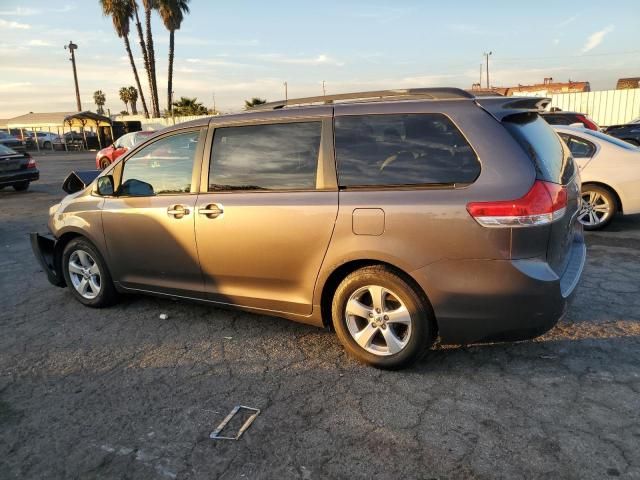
(122, 393)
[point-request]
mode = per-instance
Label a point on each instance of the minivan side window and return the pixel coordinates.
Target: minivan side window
(281, 156)
(399, 150)
(161, 168)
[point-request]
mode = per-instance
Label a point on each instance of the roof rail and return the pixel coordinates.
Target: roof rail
(375, 95)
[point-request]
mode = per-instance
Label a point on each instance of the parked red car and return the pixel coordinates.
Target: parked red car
(108, 155)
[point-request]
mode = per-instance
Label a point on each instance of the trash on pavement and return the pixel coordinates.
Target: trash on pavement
(215, 435)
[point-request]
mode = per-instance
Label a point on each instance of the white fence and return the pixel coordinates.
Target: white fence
(606, 107)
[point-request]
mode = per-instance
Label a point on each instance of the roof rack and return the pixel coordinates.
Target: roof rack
(375, 95)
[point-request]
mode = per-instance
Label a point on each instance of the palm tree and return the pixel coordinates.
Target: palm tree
(253, 102)
(189, 106)
(149, 5)
(172, 13)
(124, 96)
(121, 12)
(100, 99)
(143, 47)
(133, 99)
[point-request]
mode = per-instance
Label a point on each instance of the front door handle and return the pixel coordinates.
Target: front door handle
(178, 211)
(213, 210)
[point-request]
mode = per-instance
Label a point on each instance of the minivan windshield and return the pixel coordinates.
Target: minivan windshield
(542, 145)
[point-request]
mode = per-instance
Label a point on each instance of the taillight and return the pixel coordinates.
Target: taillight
(31, 163)
(543, 204)
(588, 123)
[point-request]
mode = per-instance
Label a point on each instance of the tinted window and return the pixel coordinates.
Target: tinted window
(579, 148)
(164, 167)
(542, 144)
(610, 139)
(410, 149)
(558, 120)
(265, 157)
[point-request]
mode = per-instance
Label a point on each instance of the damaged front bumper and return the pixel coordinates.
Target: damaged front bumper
(44, 248)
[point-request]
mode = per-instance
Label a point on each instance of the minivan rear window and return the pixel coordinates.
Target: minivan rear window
(543, 146)
(399, 150)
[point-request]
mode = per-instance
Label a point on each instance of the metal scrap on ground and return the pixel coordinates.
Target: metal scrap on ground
(215, 435)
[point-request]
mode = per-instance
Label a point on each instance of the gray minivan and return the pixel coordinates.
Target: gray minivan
(395, 217)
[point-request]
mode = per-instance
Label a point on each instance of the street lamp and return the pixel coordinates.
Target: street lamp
(72, 46)
(486, 55)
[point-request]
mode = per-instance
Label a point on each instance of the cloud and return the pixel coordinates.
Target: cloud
(321, 59)
(556, 41)
(20, 12)
(596, 38)
(14, 87)
(39, 43)
(13, 25)
(567, 21)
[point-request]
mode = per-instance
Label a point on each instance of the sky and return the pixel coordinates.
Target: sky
(238, 49)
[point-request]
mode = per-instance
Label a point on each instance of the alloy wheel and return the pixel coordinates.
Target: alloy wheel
(378, 320)
(595, 208)
(85, 274)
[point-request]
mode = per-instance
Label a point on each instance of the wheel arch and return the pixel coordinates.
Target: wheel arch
(611, 189)
(340, 273)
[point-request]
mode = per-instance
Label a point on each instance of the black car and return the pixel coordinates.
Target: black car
(570, 118)
(11, 142)
(629, 132)
(17, 170)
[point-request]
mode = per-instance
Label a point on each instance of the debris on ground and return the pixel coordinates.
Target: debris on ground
(216, 434)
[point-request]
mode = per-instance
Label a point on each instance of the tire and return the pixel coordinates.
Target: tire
(21, 187)
(46, 145)
(599, 206)
(89, 273)
(104, 163)
(385, 345)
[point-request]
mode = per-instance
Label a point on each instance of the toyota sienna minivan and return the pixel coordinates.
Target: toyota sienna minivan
(395, 217)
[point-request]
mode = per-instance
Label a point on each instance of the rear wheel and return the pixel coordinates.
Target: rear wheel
(21, 187)
(598, 207)
(47, 145)
(104, 163)
(381, 319)
(86, 274)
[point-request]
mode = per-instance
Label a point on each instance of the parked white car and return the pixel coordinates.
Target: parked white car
(46, 139)
(610, 171)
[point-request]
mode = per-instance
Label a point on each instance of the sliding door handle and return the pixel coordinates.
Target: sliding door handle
(213, 210)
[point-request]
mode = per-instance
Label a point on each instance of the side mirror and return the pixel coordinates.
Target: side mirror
(105, 185)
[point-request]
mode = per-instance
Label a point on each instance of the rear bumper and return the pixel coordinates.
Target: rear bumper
(44, 248)
(499, 300)
(9, 178)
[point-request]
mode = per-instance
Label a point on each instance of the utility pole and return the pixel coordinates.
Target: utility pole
(480, 82)
(213, 96)
(72, 46)
(486, 56)
(324, 90)
(286, 93)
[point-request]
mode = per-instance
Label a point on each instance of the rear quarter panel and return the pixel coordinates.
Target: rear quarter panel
(426, 225)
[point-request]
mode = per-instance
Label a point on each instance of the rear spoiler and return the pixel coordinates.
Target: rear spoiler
(77, 181)
(501, 107)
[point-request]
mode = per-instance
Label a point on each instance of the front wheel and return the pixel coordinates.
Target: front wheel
(47, 145)
(86, 274)
(381, 319)
(21, 187)
(598, 207)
